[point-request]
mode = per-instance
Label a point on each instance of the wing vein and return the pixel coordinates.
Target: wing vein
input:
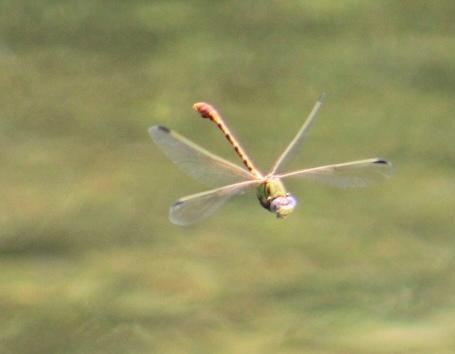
(197, 162)
(192, 208)
(296, 143)
(358, 173)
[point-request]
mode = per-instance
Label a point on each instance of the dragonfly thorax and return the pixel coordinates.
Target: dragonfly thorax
(273, 196)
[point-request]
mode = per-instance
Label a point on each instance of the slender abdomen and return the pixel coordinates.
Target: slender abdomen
(209, 112)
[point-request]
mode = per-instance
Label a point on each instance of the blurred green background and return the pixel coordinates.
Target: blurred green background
(89, 262)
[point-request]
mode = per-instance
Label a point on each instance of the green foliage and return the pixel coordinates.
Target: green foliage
(90, 263)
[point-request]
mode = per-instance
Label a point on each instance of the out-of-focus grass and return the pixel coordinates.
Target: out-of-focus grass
(89, 262)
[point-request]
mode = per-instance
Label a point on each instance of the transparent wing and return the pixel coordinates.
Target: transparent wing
(296, 143)
(193, 208)
(195, 160)
(349, 174)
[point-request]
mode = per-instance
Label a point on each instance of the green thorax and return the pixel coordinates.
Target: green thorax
(269, 190)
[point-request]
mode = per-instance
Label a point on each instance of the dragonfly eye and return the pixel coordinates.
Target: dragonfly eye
(283, 206)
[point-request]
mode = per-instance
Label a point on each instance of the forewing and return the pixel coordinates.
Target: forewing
(193, 208)
(195, 160)
(349, 174)
(294, 147)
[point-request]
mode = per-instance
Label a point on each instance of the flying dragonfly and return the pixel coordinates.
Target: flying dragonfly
(234, 180)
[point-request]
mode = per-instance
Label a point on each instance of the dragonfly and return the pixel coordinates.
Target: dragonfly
(228, 179)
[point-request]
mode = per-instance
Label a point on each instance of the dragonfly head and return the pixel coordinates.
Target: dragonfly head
(282, 206)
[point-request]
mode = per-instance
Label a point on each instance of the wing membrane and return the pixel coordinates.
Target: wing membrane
(196, 161)
(349, 174)
(193, 208)
(294, 147)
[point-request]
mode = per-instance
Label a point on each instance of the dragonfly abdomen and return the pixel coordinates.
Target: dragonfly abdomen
(209, 112)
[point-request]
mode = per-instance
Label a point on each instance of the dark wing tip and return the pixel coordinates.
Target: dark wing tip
(177, 203)
(158, 128)
(383, 162)
(162, 128)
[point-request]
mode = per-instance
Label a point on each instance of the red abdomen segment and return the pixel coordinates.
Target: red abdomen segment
(205, 110)
(208, 111)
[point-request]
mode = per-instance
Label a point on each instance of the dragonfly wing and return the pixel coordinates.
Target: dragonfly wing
(349, 174)
(195, 160)
(193, 208)
(294, 147)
